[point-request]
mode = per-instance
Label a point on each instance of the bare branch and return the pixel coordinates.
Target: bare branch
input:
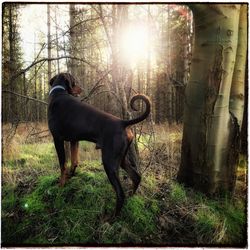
(96, 86)
(110, 92)
(48, 59)
(24, 96)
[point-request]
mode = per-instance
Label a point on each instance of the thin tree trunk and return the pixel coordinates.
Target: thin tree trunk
(12, 111)
(49, 41)
(57, 43)
(238, 82)
(35, 111)
(72, 17)
(72, 65)
(148, 53)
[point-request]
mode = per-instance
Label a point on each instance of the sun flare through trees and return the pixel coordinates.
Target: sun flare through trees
(190, 149)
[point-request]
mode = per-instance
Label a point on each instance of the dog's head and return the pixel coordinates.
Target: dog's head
(68, 82)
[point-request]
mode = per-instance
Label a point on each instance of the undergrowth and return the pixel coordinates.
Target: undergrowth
(74, 214)
(36, 211)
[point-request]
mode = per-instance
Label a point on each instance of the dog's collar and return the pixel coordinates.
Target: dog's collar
(56, 87)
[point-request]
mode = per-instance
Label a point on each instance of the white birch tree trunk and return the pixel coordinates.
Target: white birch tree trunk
(210, 137)
(238, 82)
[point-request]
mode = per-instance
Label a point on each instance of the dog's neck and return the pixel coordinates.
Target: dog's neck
(56, 87)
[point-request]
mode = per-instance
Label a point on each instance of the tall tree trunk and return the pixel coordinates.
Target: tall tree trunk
(57, 42)
(72, 65)
(244, 128)
(12, 109)
(148, 53)
(36, 105)
(238, 82)
(210, 136)
(72, 21)
(49, 41)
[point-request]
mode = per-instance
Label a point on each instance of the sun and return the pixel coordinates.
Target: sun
(134, 44)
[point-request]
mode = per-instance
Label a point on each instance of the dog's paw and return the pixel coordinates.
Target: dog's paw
(61, 183)
(63, 179)
(72, 171)
(108, 218)
(130, 192)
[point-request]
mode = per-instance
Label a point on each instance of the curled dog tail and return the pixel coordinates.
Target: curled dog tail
(145, 99)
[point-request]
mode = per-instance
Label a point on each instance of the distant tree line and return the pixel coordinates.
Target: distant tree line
(91, 50)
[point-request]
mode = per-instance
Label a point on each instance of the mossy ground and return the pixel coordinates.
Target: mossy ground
(36, 211)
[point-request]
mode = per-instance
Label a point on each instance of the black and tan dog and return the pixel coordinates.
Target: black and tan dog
(72, 120)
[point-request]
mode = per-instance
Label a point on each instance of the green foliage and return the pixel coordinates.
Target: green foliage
(178, 193)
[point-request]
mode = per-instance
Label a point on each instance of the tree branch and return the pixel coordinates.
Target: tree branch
(96, 86)
(47, 59)
(24, 96)
(110, 92)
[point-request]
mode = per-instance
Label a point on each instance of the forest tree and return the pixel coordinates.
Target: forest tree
(210, 144)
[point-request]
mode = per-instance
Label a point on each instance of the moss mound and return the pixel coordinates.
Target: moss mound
(75, 214)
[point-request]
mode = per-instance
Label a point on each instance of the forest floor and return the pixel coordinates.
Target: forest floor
(36, 211)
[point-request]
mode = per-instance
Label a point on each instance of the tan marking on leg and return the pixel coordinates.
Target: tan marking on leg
(74, 156)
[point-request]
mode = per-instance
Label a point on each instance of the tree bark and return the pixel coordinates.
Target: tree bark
(237, 90)
(210, 136)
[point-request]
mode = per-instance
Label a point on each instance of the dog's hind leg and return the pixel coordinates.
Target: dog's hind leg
(59, 145)
(111, 166)
(74, 157)
(126, 165)
(133, 174)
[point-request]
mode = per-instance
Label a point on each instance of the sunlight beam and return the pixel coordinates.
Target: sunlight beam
(134, 44)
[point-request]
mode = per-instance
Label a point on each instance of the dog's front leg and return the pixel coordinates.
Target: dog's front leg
(74, 157)
(59, 145)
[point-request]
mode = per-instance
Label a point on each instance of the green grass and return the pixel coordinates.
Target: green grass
(44, 213)
(33, 155)
(36, 211)
(178, 193)
(76, 213)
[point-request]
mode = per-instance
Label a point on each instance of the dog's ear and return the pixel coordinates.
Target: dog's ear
(52, 80)
(70, 80)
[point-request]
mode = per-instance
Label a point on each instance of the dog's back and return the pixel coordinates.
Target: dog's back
(72, 119)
